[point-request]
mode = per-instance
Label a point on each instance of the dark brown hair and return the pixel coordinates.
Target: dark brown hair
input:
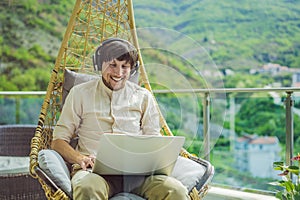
(116, 49)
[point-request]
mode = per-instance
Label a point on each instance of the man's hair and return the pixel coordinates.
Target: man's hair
(118, 49)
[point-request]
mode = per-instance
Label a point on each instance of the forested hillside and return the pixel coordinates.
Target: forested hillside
(30, 35)
(239, 35)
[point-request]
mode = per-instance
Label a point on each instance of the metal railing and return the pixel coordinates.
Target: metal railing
(206, 109)
(17, 97)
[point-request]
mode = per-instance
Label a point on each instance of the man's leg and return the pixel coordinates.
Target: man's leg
(87, 185)
(163, 188)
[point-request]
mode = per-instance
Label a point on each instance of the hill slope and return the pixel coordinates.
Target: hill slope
(236, 34)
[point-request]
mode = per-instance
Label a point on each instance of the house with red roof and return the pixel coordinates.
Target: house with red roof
(256, 154)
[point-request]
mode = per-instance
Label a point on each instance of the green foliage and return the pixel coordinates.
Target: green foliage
(291, 188)
(23, 55)
(240, 80)
(262, 117)
(38, 52)
(31, 32)
(34, 79)
(222, 143)
(24, 81)
(5, 85)
(30, 5)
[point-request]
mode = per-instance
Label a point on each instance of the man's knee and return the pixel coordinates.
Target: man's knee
(164, 187)
(89, 186)
(174, 189)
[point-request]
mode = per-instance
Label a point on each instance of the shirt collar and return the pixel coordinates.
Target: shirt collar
(110, 91)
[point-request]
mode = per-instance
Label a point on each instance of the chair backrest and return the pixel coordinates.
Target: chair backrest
(90, 23)
(15, 139)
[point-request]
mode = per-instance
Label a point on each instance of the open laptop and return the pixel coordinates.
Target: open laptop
(123, 154)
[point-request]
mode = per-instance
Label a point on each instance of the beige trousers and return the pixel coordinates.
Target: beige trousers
(90, 186)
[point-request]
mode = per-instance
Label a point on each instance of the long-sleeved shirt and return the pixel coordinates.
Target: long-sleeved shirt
(92, 109)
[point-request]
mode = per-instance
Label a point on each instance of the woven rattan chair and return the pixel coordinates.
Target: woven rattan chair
(91, 22)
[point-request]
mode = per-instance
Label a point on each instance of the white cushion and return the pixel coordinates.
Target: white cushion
(188, 172)
(54, 166)
(10, 165)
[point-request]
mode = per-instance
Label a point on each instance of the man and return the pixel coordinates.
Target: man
(110, 104)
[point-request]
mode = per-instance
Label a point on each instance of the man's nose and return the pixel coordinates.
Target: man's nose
(118, 70)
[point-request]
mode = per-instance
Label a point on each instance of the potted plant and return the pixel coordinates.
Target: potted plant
(290, 180)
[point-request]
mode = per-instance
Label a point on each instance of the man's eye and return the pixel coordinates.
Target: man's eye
(112, 65)
(125, 66)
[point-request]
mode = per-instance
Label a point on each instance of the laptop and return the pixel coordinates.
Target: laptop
(123, 154)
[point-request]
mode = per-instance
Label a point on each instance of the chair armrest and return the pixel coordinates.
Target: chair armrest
(208, 174)
(46, 178)
(193, 172)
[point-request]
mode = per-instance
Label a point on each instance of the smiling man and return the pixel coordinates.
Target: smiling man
(110, 104)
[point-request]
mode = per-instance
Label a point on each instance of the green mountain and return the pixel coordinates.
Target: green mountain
(30, 35)
(239, 35)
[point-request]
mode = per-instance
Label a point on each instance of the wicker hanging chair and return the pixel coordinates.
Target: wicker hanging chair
(91, 22)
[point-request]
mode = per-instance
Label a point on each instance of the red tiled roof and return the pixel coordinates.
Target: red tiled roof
(258, 140)
(264, 140)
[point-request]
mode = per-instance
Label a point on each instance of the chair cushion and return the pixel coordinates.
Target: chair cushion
(15, 179)
(72, 78)
(55, 167)
(185, 170)
(188, 172)
(10, 165)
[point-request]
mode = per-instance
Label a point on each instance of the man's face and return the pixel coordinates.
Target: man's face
(115, 73)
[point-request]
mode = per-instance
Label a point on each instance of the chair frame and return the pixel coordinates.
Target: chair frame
(117, 19)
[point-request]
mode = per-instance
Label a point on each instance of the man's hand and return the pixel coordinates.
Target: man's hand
(71, 155)
(86, 161)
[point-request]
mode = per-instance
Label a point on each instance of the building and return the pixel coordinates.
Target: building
(296, 79)
(256, 154)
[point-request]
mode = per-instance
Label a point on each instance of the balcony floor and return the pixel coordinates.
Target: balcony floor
(231, 194)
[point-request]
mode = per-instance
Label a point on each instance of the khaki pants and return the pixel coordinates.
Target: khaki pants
(89, 186)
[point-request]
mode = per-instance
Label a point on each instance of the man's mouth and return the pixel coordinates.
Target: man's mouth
(116, 79)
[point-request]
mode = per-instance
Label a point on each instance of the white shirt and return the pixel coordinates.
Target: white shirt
(92, 109)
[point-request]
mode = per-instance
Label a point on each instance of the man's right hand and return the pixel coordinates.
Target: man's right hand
(71, 155)
(86, 161)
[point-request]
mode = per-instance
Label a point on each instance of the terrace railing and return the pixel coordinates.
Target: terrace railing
(207, 96)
